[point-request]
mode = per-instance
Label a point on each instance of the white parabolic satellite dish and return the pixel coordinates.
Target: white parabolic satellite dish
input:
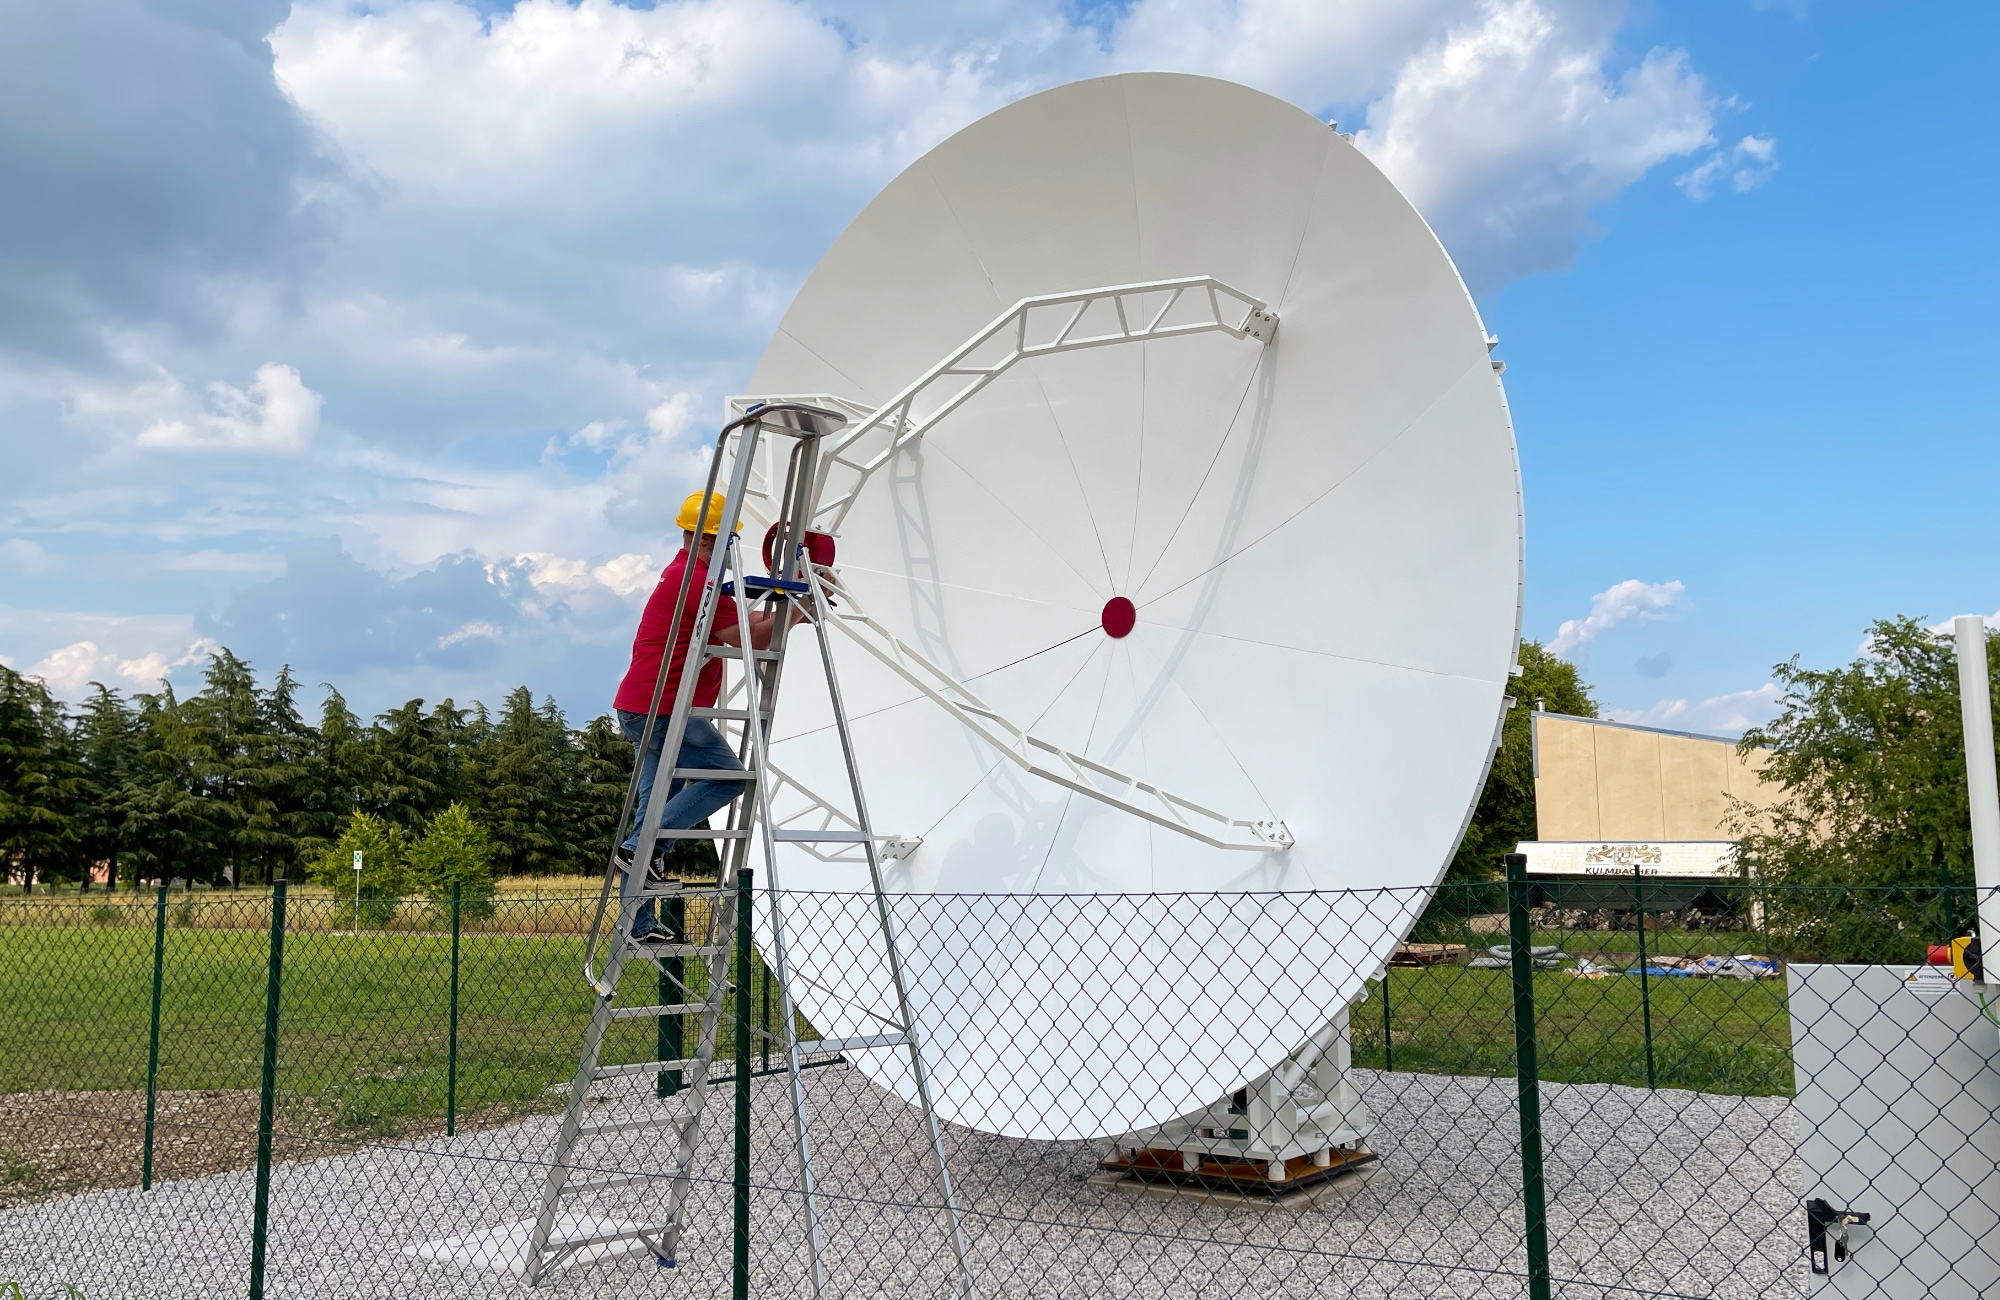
(1322, 539)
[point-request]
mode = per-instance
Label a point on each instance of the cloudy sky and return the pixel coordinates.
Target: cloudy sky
(377, 338)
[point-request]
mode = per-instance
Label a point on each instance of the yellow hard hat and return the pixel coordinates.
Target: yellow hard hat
(690, 514)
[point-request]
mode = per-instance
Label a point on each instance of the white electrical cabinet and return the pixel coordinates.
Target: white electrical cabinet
(1897, 1071)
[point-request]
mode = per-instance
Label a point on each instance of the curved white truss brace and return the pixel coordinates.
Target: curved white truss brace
(1033, 327)
(1051, 762)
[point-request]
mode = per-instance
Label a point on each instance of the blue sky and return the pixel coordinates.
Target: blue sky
(372, 338)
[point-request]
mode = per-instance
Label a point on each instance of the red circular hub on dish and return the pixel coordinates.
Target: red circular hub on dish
(1119, 616)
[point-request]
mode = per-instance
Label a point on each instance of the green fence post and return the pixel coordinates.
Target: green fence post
(153, 1039)
(451, 1046)
(673, 989)
(267, 1101)
(1388, 1042)
(740, 1264)
(1534, 1204)
(1645, 980)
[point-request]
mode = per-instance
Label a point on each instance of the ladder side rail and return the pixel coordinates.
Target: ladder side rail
(649, 828)
(886, 919)
(757, 734)
(611, 870)
(615, 957)
(568, 1134)
(723, 921)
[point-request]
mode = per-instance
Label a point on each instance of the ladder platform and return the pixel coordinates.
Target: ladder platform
(759, 585)
(641, 1067)
(821, 837)
(699, 833)
(722, 715)
(712, 774)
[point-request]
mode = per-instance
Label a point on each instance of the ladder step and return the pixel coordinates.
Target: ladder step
(821, 837)
(605, 1238)
(679, 891)
(669, 1009)
(703, 833)
(635, 1125)
(677, 949)
(640, 1067)
(736, 652)
(607, 1184)
(855, 1044)
(713, 774)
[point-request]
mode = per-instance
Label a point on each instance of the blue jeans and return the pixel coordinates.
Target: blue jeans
(689, 803)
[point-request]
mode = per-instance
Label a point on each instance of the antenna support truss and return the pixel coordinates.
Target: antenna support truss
(1041, 326)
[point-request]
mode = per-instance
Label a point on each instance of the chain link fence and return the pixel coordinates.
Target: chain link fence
(1615, 1087)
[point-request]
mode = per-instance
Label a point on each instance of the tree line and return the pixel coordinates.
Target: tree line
(234, 785)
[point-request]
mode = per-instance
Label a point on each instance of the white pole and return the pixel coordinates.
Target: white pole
(357, 890)
(1975, 703)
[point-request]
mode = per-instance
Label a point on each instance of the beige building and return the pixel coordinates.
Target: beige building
(1610, 797)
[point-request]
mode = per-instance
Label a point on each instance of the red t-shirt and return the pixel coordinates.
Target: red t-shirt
(635, 693)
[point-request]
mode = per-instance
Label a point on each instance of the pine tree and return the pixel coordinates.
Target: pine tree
(107, 741)
(336, 776)
(174, 827)
(284, 768)
(41, 784)
(407, 767)
(603, 771)
(522, 793)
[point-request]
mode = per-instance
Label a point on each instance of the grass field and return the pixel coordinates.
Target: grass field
(1724, 1036)
(364, 1029)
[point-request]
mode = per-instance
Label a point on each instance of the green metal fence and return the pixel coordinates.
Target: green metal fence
(1577, 1089)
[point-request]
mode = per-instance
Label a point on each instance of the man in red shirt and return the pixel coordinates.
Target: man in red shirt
(689, 803)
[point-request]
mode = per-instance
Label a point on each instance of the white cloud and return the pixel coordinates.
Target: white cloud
(1744, 167)
(69, 670)
(1723, 715)
(467, 631)
(628, 575)
(1620, 603)
(278, 415)
(562, 577)
(1508, 132)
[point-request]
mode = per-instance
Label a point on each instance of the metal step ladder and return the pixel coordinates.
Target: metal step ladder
(701, 920)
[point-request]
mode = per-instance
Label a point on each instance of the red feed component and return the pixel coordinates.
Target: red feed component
(1119, 616)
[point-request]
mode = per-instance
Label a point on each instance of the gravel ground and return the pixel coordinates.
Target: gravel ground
(1671, 1193)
